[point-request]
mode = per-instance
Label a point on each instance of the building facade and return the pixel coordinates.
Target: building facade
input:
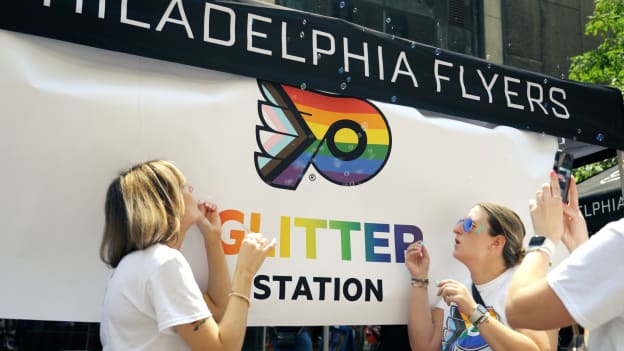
(537, 35)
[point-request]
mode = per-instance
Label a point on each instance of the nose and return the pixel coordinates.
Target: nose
(458, 228)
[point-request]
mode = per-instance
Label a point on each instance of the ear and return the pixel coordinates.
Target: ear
(498, 241)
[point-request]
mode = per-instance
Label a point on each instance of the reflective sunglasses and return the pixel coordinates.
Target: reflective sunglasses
(469, 226)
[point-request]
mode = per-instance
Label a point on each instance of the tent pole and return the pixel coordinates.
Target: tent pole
(325, 346)
(620, 157)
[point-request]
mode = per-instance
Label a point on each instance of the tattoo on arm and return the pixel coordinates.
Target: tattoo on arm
(198, 324)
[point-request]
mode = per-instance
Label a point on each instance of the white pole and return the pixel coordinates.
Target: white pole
(325, 338)
(620, 157)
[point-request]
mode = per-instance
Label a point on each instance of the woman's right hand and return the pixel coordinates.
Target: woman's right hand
(547, 210)
(253, 250)
(417, 260)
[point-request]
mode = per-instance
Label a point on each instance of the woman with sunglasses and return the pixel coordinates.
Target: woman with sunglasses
(472, 316)
(152, 301)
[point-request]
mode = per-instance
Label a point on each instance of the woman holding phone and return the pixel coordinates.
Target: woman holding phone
(471, 316)
(586, 288)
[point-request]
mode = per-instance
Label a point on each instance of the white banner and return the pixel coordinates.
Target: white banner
(74, 116)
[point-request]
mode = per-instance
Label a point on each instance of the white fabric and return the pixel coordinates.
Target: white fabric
(458, 332)
(590, 283)
(74, 118)
(150, 291)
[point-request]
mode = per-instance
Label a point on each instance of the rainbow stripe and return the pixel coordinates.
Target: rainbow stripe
(346, 139)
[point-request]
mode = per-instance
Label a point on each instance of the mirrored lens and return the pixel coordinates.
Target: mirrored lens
(467, 224)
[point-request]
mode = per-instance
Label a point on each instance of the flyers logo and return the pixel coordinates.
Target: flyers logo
(346, 139)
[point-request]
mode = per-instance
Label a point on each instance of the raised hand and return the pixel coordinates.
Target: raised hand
(254, 249)
(417, 260)
(574, 226)
(209, 222)
(546, 210)
(453, 291)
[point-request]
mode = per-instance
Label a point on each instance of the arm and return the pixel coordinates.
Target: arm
(497, 335)
(423, 324)
(531, 303)
(219, 283)
(501, 337)
(229, 332)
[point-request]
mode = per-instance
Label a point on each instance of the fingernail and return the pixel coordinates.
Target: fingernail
(552, 173)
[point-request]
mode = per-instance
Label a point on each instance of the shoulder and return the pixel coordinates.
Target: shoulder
(154, 257)
(159, 254)
(608, 242)
(613, 230)
(508, 275)
(499, 284)
(162, 252)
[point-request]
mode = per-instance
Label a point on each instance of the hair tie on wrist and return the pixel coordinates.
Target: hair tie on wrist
(240, 296)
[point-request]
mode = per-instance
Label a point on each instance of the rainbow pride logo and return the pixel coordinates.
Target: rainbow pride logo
(346, 139)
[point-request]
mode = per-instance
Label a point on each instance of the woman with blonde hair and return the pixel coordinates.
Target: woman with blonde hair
(152, 301)
(488, 241)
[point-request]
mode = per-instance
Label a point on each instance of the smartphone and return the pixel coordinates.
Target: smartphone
(563, 168)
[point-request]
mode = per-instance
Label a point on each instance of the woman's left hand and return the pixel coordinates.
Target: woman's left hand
(574, 225)
(209, 223)
(454, 291)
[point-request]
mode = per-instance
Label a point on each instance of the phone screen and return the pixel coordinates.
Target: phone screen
(563, 168)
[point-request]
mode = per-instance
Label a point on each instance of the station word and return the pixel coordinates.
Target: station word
(317, 288)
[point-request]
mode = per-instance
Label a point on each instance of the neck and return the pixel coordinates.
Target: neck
(174, 243)
(485, 272)
(177, 240)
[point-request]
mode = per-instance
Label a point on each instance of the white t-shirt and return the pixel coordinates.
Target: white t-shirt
(149, 293)
(458, 333)
(590, 283)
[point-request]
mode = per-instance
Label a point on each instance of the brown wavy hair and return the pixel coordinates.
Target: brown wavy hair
(506, 222)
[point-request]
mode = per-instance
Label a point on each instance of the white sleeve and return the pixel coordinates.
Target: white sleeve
(175, 294)
(589, 282)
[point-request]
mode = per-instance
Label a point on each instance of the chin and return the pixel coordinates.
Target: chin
(458, 256)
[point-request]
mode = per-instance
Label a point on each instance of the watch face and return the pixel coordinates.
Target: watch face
(537, 240)
(482, 309)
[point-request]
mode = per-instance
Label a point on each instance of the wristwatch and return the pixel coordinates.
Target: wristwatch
(477, 314)
(540, 242)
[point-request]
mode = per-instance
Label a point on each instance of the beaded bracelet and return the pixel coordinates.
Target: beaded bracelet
(240, 296)
(419, 282)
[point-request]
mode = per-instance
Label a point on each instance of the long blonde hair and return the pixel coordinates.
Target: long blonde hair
(143, 207)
